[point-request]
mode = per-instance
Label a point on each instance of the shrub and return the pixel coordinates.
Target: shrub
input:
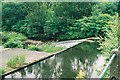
(11, 14)
(24, 27)
(2, 71)
(14, 36)
(112, 40)
(48, 47)
(13, 44)
(12, 39)
(3, 38)
(33, 47)
(88, 27)
(16, 61)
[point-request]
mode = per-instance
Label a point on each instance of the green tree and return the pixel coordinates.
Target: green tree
(37, 17)
(62, 15)
(73, 10)
(105, 8)
(89, 27)
(11, 14)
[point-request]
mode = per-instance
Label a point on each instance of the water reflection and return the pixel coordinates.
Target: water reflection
(64, 65)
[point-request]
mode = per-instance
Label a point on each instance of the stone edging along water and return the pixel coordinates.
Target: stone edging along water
(70, 44)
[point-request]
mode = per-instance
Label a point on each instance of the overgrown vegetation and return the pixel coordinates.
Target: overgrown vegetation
(112, 40)
(16, 62)
(46, 21)
(12, 39)
(89, 27)
(13, 44)
(105, 8)
(110, 43)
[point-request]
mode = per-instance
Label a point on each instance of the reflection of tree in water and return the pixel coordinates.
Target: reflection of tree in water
(67, 64)
(87, 56)
(30, 69)
(23, 73)
(81, 56)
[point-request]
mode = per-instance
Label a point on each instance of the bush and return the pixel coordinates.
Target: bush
(3, 38)
(88, 27)
(112, 40)
(14, 36)
(12, 39)
(16, 61)
(11, 14)
(24, 27)
(2, 71)
(33, 47)
(13, 44)
(48, 47)
(35, 20)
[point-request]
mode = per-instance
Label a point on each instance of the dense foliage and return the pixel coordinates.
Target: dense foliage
(43, 20)
(58, 21)
(88, 27)
(11, 14)
(105, 8)
(112, 40)
(12, 39)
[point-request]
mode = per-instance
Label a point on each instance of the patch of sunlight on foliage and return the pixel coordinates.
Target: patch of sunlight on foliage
(49, 47)
(81, 74)
(112, 41)
(2, 71)
(16, 62)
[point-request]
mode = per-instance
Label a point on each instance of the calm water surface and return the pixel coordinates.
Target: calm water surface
(64, 65)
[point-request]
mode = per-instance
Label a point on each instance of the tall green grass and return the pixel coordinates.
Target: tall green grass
(16, 62)
(33, 47)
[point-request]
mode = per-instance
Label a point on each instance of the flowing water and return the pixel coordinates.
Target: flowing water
(83, 57)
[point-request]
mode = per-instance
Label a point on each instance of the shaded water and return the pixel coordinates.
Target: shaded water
(65, 64)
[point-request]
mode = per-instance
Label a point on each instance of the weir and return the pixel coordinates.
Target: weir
(66, 64)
